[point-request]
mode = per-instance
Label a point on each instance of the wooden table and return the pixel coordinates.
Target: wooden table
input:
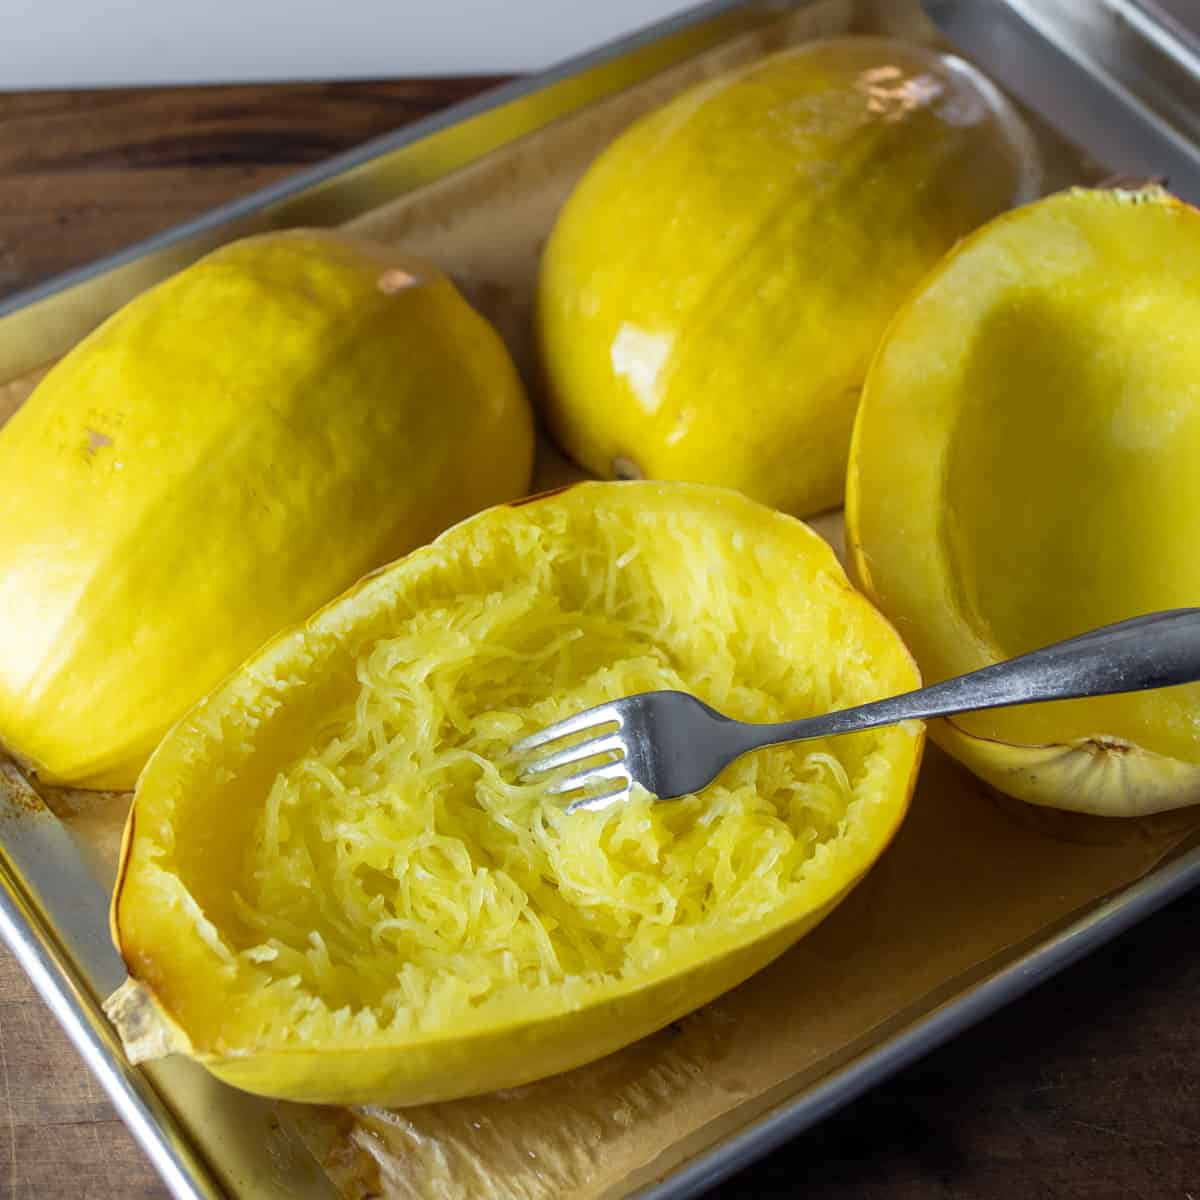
(1088, 1088)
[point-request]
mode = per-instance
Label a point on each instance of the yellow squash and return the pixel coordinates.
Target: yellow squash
(333, 890)
(222, 456)
(1026, 466)
(714, 287)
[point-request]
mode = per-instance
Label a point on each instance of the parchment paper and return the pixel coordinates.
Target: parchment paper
(971, 878)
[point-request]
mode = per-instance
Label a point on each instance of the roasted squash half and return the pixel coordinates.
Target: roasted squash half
(1026, 466)
(715, 285)
(225, 454)
(332, 889)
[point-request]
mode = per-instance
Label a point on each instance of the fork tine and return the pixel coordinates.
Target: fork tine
(608, 772)
(602, 714)
(606, 744)
(601, 801)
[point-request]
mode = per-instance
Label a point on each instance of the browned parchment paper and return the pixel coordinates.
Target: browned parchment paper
(971, 879)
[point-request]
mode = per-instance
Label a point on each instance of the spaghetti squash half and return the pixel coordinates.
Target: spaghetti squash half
(333, 889)
(715, 285)
(226, 453)
(1036, 406)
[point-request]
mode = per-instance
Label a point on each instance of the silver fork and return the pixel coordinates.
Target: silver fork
(673, 744)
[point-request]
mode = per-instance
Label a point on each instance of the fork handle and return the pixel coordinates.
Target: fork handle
(1158, 650)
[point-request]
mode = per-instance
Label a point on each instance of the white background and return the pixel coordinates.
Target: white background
(96, 43)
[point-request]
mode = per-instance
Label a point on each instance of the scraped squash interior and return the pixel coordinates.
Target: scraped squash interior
(1047, 455)
(371, 868)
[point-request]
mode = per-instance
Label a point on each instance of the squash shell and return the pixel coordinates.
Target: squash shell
(1078, 311)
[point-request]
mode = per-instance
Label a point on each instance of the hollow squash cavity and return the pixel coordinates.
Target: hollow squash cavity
(1037, 403)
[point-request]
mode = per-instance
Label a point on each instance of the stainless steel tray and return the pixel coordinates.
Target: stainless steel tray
(1105, 73)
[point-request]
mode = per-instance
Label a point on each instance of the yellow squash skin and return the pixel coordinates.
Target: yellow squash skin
(714, 287)
(222, 456)
(1024, 468)
(198, 800)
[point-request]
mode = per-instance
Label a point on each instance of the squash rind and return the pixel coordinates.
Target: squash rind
(228, 451)
(713, 288)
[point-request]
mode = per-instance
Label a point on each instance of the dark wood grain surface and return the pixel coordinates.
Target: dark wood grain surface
(1088, 1088)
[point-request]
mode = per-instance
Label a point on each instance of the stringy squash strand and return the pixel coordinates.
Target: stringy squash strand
(440, 885)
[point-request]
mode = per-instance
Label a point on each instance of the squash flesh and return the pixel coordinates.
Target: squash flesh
(386, 884)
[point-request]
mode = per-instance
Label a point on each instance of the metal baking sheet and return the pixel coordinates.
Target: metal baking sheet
(1105, 73)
